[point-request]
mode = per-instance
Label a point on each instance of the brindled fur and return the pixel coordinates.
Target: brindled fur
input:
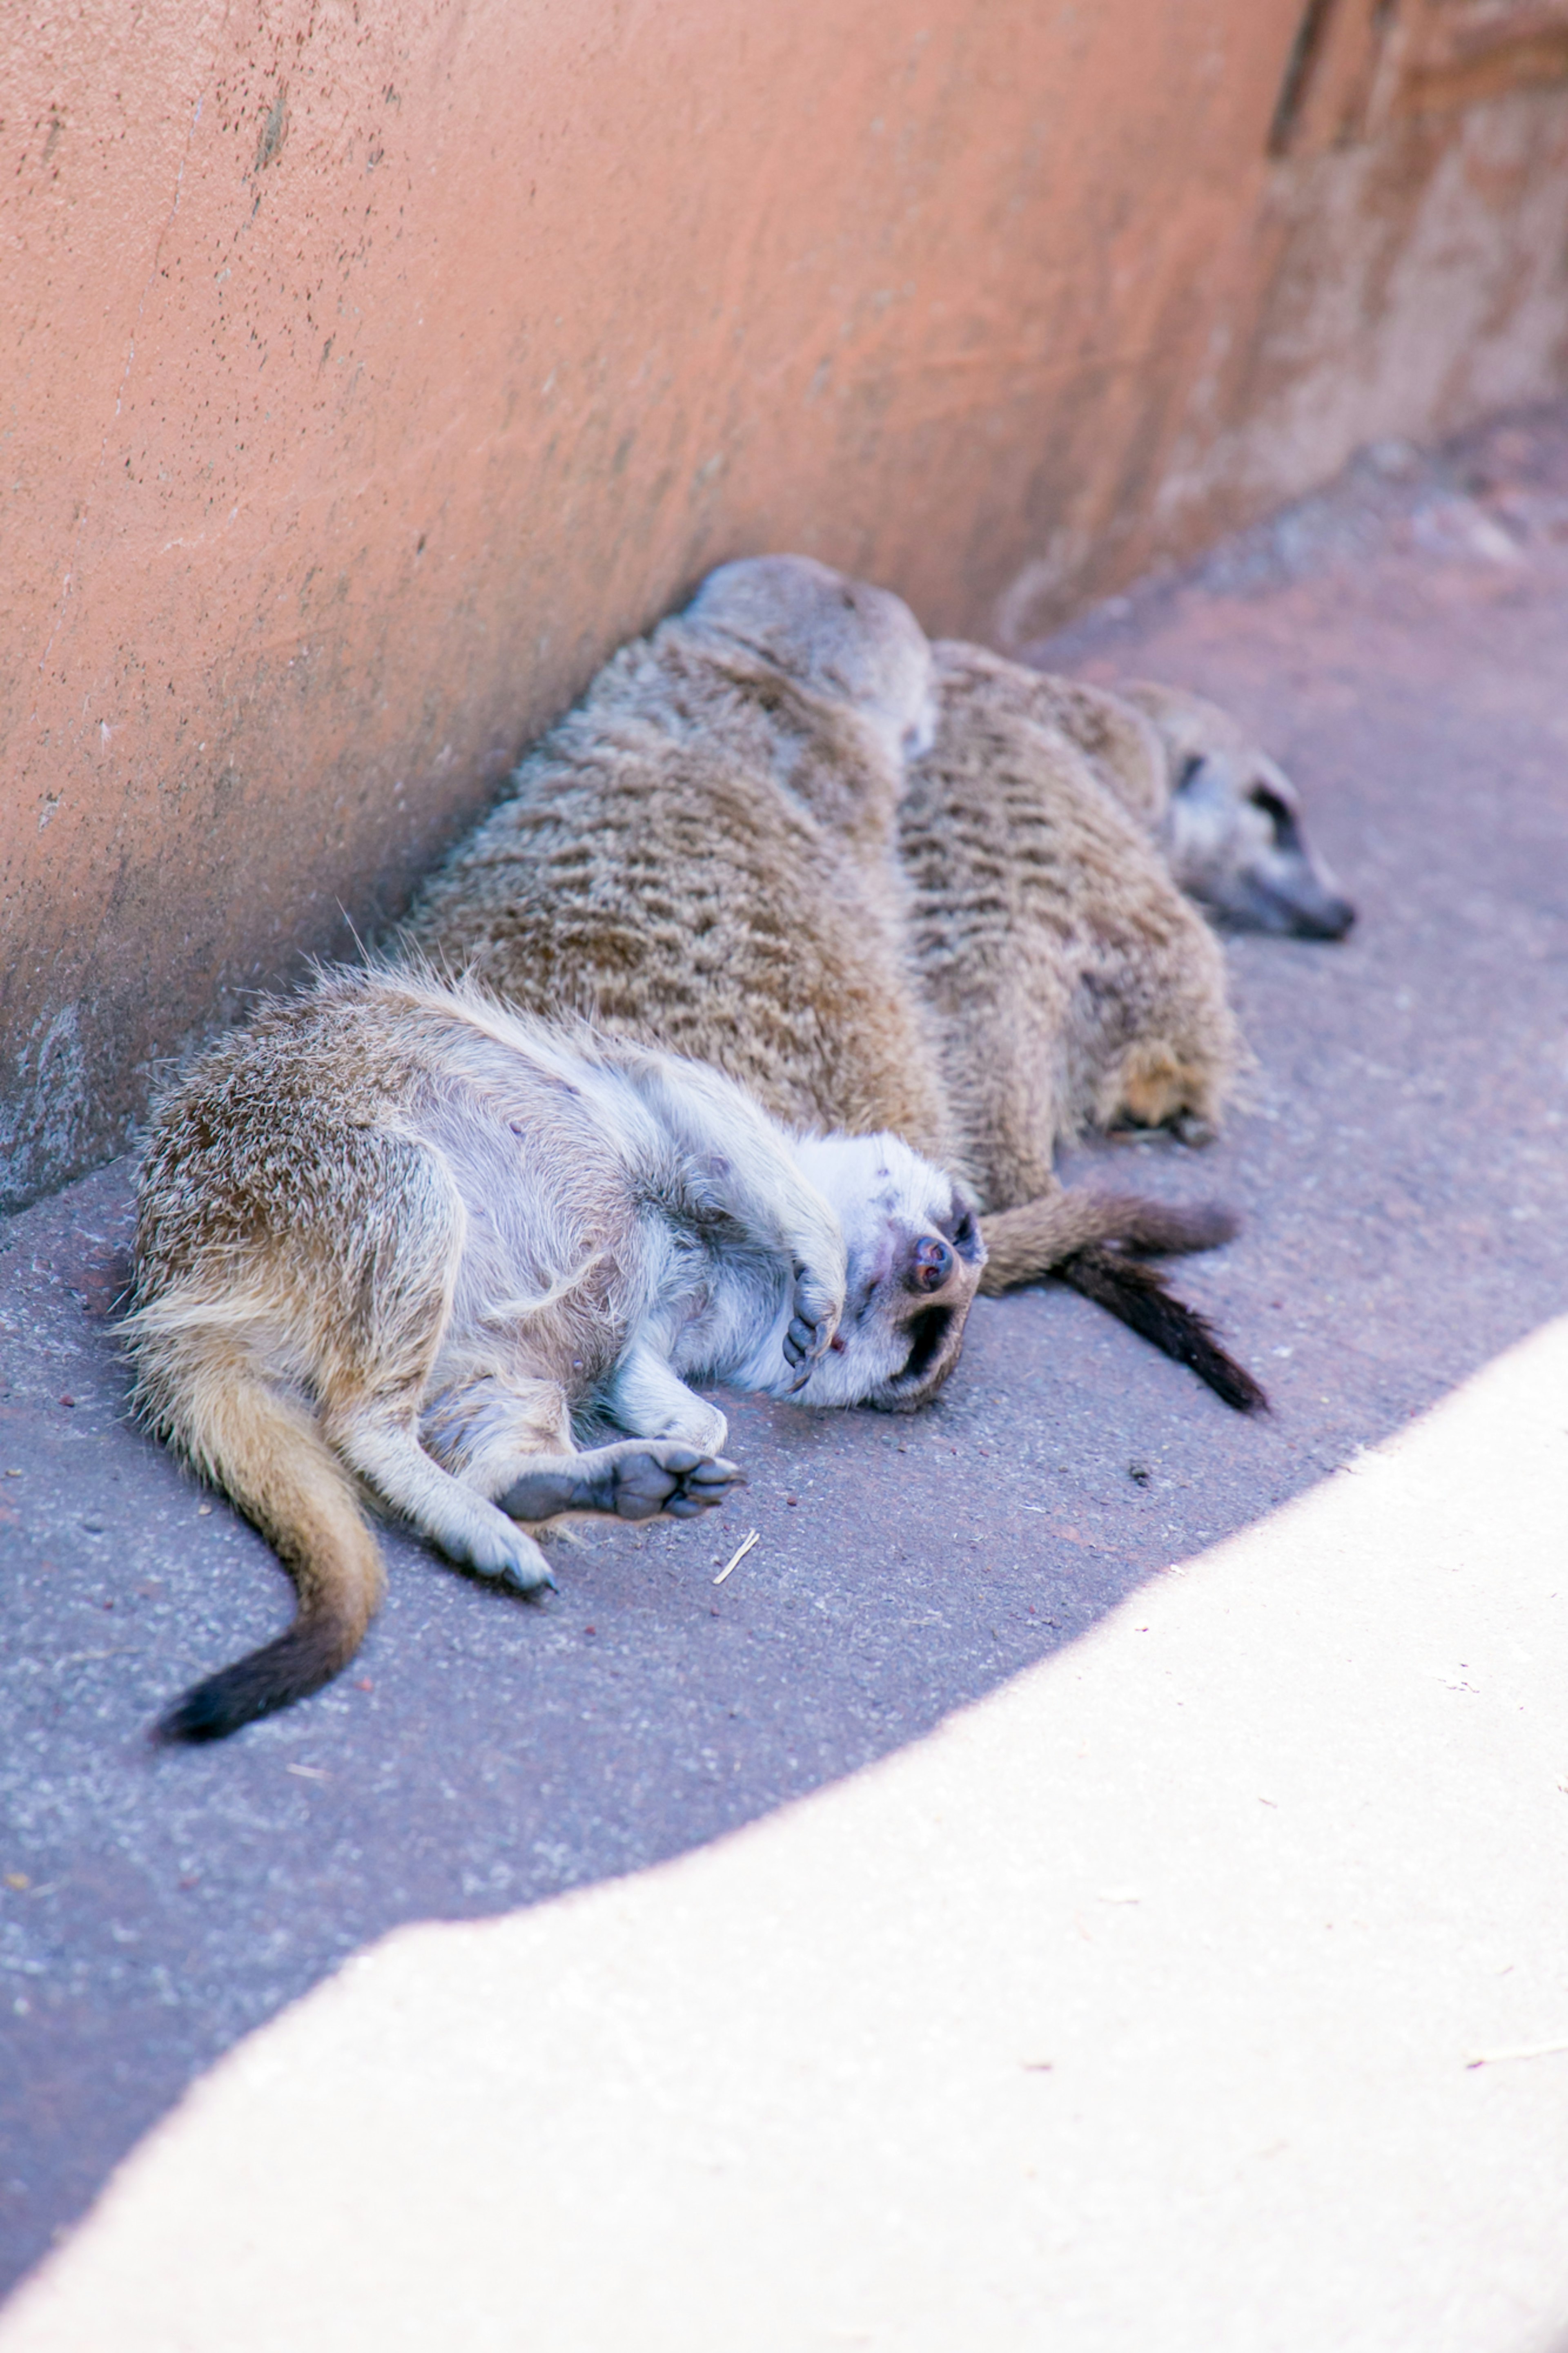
(1074, 987)
(1222, 816)
(706, 853)
(701, 855)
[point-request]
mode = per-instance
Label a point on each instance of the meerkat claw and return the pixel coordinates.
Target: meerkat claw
(530, 1582)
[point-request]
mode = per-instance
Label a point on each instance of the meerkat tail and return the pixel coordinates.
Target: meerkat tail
(1062, 1233)
(1138, 1295)
(265, 1453)
(1024, 1244)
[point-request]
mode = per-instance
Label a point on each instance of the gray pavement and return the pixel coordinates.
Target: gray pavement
(1400, 643)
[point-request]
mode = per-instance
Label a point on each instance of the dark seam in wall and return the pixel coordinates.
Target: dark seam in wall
(1303, 57)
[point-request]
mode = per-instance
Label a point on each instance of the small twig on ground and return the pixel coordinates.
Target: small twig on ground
(1525, 2051)
(738, 1555)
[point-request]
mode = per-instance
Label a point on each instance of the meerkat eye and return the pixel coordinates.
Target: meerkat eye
(1281, 819)
(961, 1229)
(1191, 768)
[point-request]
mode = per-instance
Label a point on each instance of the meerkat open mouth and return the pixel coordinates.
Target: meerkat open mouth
(927, 1331)
(936, 1344)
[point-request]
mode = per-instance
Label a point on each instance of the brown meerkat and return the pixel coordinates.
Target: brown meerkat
(1231, 825)
(395, 1240)
(1074, 986)
(704, 855)
(1224, 816)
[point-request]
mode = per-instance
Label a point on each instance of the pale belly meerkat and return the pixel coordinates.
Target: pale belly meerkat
(704, 854)
(395, 1240)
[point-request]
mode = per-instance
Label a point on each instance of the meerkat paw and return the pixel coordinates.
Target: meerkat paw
(673, 1478)
(1190, 1128)
(510, 1557)
(818, 1307)
(633, 1480)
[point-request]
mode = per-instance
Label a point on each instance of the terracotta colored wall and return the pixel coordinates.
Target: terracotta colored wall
(370, 372)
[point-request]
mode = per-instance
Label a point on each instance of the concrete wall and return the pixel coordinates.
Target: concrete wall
(371, 371)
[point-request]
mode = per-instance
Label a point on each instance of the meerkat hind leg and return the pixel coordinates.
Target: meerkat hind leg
(510, 1439)
(381, 1446)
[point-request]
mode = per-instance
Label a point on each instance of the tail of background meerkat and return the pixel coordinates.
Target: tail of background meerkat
(1064, 1234)
(267, 1453)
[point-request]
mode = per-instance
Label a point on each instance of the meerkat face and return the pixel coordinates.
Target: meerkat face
(1235, 843)
(912, 1237)
(834, 635)
(1232, 830)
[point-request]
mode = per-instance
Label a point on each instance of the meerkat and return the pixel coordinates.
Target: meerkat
(1231, 825)
(700, 854)
(704, 855)
(1074, 987)
(1226, 817)
(394, 1239)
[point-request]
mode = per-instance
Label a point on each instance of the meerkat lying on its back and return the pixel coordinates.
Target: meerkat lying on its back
(396, 1236)
(704, 855)
(1224, 816)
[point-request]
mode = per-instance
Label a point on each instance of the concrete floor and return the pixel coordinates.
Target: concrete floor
(1203, 1988)
(1400, 643)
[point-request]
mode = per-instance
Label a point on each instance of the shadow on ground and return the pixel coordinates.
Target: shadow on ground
(1399, 642)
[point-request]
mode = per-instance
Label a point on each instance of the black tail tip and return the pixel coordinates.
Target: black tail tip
(298, 1663)
(207, 1712)
(1234, 1384)
(1143, 1300)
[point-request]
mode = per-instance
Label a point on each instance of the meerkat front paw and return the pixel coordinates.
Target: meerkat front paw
(816, 1307)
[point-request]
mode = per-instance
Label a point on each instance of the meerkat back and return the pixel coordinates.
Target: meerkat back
(1074, 984)
(702, 855)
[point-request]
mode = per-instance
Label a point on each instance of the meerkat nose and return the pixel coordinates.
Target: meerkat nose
(931, 1264)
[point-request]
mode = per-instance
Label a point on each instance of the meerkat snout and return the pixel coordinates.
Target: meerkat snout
(914, 1261)
(929, 1265)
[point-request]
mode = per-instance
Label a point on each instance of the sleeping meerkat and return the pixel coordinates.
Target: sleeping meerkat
(704, 855)
(700, 854)
(394, 1238)
(1074, 987)
(1231, 824)
(1226, 817)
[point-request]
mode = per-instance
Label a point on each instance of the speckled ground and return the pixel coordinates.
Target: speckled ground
(1402, 643)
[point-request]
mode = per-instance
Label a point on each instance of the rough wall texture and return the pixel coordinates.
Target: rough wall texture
(369, 373)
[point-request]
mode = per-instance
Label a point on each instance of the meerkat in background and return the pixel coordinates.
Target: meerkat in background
(704, 855)
(394, 1238)
(1074, 987)
(1224, 816)
(1231, 824)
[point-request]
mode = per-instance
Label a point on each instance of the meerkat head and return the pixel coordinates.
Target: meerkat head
(831, 635)
(1232, 830)
(914, 1252)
